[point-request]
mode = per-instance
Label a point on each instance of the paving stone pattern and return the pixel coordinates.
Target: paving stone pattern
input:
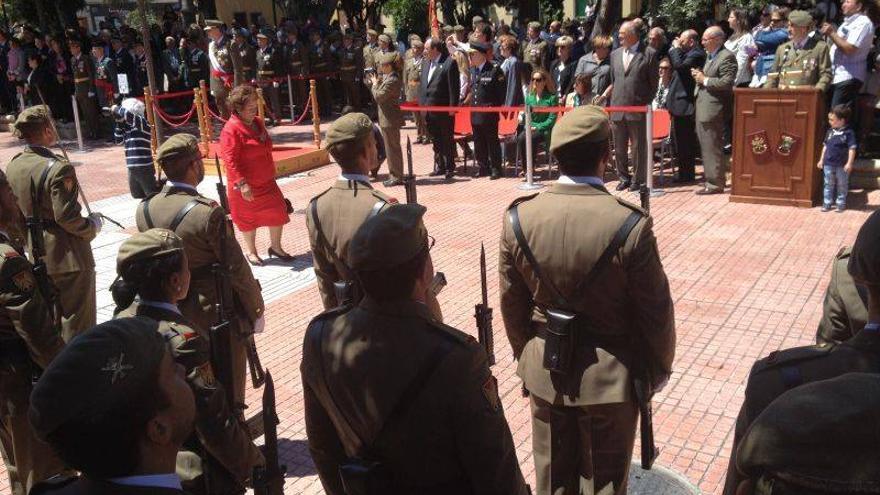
(746, 279)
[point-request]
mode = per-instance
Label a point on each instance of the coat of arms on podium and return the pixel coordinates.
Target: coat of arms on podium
(759, 142)
(787, 143)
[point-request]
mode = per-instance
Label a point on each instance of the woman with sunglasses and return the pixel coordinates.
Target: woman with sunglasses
(542, 93)
(766, 42)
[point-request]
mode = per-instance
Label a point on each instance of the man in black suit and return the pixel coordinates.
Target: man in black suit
(634, 79)
(440, 87)
(686, 54)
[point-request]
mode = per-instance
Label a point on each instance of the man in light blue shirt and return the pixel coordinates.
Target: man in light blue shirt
(851, 43)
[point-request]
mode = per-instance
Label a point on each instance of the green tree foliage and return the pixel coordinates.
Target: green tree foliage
(410, 16)
(50, 15)
(685, 14)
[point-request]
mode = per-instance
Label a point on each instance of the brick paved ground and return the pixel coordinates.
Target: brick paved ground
(746, 280)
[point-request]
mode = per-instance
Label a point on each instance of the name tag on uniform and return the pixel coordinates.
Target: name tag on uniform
(485, 79)
(122, 81)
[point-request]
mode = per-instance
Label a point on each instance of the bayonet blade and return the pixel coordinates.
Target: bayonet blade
(409, 163)
(483, 287)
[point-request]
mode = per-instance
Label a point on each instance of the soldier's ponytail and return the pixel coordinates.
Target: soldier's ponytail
(146, 278)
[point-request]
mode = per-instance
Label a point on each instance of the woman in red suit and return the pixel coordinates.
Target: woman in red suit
(254, 197)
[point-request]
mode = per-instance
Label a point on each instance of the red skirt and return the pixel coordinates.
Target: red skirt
(268, 209)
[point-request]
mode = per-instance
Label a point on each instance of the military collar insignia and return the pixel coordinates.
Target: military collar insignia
(116, 368)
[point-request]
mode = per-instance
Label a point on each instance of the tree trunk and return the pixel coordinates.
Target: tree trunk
(609, 15)
(148, 48)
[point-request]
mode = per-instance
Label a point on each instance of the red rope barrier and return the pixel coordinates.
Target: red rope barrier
(212, 114)
(168, 118)
(178, 94)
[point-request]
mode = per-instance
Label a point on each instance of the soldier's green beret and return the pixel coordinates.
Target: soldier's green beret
(535, 25)
(800, 18)
(178, 147)
(349, 127)
(821, 436)
(212, 23)
(384, 38)
(864, 262)
(99, 371)
(30, 117)
(387, 58)
(588, 123)
(389, 239)
(459, 28)
(372, 32)
(150, 244)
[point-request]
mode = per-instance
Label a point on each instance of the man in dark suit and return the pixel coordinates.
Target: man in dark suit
(634, 79)
(686, 54)
(714, 107)
(440, 87)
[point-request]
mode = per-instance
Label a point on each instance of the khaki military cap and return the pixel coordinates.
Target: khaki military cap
(100, 371)
(800, 18)
(821, 436)
(30, 116)
(535, 25)
(372, 32)
(459, 28)
(588, 123)
(212, 23)
(150, 244)
(387, 58)
(349, 127)
(384, 38)
(864, 262)
(178, 147)
(389, 239)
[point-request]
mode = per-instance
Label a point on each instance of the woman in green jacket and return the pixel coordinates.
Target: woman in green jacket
(542, 93)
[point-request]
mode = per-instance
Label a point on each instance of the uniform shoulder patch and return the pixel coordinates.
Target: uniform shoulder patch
(522, 199)
(788, 357)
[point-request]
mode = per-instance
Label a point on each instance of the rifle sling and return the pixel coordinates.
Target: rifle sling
(182, 214)
(400, 408)
(618, 240)
(316, 220)
(147, 217)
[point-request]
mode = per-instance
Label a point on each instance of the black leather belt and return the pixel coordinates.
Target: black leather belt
(584, 339)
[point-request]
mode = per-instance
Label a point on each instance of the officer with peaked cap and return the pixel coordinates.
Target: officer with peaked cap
(817, 439)
(270, 67)
(350, 61)
(489, 90)
(152, 266)
(114, 406)
(386, 86)
(29, 340)
(67, 234)
(224, 67)
(202, 225)
(411, 394)
(803, 60)
(790, 368)
(334, 215)
(608, 278)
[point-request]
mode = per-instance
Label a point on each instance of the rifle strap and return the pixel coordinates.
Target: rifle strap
(147, 217)
(181, 214)
(360, 448)
(616, 242)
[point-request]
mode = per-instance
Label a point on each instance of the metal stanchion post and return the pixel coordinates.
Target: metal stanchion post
(290, 98)
(316, 112)
(649, 135)
(530, 170)
(79, 135)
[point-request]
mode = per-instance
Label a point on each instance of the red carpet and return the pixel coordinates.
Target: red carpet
(278, 152)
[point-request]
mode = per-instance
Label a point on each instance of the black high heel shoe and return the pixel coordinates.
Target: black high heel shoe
(254, 260)
(280, 256)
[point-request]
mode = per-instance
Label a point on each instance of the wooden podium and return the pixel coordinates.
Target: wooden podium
(777, 140)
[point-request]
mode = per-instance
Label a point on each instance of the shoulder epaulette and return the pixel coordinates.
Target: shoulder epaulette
(844, 252)
(333, 312)
(522, 199)
(789, 357)
(17, 155)
(451, 333)
(631, 206)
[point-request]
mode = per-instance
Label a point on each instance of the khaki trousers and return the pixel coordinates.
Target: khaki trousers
(391, 136)
(582, 450)
(79, 311)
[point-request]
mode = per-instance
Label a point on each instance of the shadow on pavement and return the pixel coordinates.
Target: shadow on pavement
(295, 454)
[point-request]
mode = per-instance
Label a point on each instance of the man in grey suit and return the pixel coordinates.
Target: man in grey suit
(634, 78)
(714, 107)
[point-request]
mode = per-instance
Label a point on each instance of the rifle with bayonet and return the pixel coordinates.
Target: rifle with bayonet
(643, 393)
(225, 297)
(269, 479)
(409, 180)
(483, 313)
(645, 198)
(34, 223)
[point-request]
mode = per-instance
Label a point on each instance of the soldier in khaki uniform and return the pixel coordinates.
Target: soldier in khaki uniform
(371, 49)
(335, 214)
(297, 59)
(386, 87)
(244, 53)
(29, 340)
(152, 266)
(200, 221)
(790, 368)
(410, 393)
(412, 76)
(819, 439)
(611, 280)
(270, 64)
(802, 61)
(222, 65)
(67, 234)
(83, 68)
(844, 310)
(535, 50)
(350, 61)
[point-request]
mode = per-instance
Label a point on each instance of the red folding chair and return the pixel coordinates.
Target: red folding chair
(660, 138)
(462, 132)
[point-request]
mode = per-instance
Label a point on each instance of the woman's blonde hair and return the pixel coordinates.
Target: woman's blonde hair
(549, 84)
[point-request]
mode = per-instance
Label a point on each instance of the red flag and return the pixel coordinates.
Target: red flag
(432, 16)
